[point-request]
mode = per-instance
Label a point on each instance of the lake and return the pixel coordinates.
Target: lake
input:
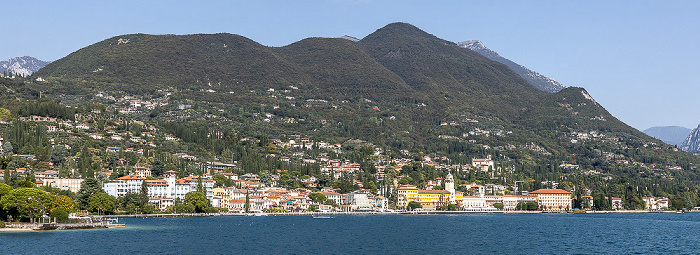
(616, 233)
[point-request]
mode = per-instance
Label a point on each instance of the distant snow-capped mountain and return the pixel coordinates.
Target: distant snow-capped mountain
(347, 37)
(538, 80)
(22, 65)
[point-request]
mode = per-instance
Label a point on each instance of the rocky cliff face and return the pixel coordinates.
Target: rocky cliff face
(692, 142)
(22, 65)
(538, 80)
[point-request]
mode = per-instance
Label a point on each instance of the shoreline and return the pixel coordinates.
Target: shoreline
(115, 218)
(107, 217)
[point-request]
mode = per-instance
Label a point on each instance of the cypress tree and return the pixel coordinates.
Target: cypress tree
(143, 196)
(247, 201)
(200, 187)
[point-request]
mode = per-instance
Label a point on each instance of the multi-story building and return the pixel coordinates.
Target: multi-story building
(160, 192)
(337, 197)
(125, 184)
(64, 184)
(483, 164)
(358, 201)
(474, 203)
(142, 172)
(553, 199)
(428, 199)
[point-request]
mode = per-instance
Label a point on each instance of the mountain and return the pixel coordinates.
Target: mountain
(399, 92)
(399, 87)
(351, 38)
(673, 135)
(540, 81)
(22, 65)
(692, 142)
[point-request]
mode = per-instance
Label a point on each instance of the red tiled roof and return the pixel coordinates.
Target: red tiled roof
(131, 177)
(550, 191)
(434, 191)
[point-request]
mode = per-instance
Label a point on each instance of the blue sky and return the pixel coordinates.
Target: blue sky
(639, 59)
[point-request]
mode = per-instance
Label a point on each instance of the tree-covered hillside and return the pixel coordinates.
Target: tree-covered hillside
(399, 89)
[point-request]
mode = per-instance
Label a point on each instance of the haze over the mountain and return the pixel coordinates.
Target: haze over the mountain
(538, 80)
(22, 65)
(673, 135)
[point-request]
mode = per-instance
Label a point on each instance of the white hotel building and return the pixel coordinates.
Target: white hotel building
(169, 188)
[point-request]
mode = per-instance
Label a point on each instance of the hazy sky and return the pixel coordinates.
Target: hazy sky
(639, 59)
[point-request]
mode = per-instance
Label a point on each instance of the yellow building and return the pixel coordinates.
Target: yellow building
(553, 199)
(429, 199)
(64, 184)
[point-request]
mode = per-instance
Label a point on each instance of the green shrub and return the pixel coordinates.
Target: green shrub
(59, 214)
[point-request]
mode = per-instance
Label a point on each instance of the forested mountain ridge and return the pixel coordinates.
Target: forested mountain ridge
(399, 88)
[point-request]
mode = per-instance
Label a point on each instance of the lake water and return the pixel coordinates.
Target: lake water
(650, 233)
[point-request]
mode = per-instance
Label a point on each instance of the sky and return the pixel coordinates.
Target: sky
(638, 59)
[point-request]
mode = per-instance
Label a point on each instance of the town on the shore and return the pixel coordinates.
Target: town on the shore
(223, 187)
(100, 159)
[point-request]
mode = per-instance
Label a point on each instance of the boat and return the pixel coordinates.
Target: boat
(322, 217)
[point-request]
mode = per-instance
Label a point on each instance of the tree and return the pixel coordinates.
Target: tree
(4, 189)
(59, 214)
(148, 208)
(690, 199)
(452, 207)
(57, 155)
(7, 148)
(143, 194)
(531, 206)
(129, 202)
(372, 187)
(63, 202)
(26, 183)
(198, 201)
(5, 114)
(266, 179)
(158, 167)
(89, 187)
(27, 200)
(317, 197)
(413, 205)
(247, 201)
(101, 202)
(498, 206)
(405, 180)
(181, 207)
(200, 187)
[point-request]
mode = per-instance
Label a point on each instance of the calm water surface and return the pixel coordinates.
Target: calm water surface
(660, 233)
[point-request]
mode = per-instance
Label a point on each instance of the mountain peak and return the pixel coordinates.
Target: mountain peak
(473, 45)
(22, 65)
(692, 142)
(538, 80)
(350, 38)
(399, 29)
